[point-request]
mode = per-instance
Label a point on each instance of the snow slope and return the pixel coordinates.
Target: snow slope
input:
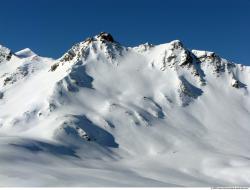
(108, 115)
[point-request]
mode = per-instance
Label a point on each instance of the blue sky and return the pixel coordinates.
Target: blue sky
(50, 27)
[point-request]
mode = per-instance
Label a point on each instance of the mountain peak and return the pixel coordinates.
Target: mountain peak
(24, 53)
(176, 44)
(104, 36)
(102, 43)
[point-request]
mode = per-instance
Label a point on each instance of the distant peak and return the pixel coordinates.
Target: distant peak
(24, 53)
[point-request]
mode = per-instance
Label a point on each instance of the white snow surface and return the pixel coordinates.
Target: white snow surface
(24, 53)
(108, 115)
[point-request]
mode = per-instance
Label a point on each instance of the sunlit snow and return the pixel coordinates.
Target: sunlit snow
(108, 115)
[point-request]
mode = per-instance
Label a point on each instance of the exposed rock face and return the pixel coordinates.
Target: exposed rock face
(5, 54)
(1, 95)
(212, 59)
(174, 55)
(20, 73)
(187, 92)
(186, 59)
(54, 66)
(237, 84)
(106, 36)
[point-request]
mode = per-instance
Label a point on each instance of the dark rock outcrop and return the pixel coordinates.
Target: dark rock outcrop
(106, 37)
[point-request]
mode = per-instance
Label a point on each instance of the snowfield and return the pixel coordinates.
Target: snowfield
(108, 115)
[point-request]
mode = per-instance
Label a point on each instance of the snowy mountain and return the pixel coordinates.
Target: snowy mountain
(108, 115)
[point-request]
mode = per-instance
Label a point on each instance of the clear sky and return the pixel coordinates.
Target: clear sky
(50, 27)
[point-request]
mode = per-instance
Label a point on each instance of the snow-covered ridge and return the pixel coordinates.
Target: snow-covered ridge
(24, 53)
(159, 115)
(169, 55)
